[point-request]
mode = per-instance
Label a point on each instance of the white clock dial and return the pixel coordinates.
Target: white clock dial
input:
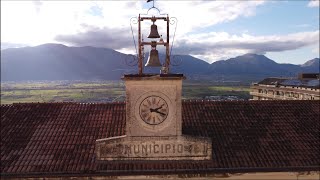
(153, 110)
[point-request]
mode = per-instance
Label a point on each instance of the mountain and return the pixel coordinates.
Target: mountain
(312, 62)
(311, 65)
(59, 62)
(251, 67)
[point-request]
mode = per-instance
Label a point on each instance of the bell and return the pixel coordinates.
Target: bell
(154, 32)
(153, 59)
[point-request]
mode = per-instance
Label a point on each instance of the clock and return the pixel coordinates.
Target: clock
(153, 110)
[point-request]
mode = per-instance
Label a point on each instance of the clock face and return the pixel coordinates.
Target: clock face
(153, 110)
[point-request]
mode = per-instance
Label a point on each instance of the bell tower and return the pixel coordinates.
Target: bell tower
(154, 112)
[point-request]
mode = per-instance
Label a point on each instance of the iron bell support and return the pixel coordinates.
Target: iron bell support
(153, 59)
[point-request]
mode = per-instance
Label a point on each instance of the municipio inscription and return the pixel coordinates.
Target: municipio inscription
(154, 148)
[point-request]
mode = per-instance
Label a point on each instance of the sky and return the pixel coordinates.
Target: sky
(285, 31)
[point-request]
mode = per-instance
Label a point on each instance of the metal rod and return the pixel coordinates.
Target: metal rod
(157, 43)
(149, 18)
(167, 47)
(140, 53)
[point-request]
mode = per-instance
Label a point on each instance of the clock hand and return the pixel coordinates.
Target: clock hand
(158, 108)
(152, 110)
(160, 113)
(155, 110)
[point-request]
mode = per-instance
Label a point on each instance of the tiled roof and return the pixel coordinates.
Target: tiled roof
(312, 83)
(47, 139)
(272, 81)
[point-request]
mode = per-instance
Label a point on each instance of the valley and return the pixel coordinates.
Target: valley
(108, 91)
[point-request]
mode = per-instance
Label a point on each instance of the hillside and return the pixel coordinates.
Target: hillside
(252, 67)
(59, 62)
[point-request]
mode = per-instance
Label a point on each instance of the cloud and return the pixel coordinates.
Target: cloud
(40, 22)
(195, 15)
(315, 50)
(107, 24)
(211, 46)
(50, 18)
(6, 45)
(313, 3)
(37, 4)
(218, 45)
(114, 38)
(112, 30)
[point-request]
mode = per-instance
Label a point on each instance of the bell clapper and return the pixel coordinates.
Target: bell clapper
(161, 39)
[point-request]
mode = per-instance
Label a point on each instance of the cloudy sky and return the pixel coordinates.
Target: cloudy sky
(285, 31)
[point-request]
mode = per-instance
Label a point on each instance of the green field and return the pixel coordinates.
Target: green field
(100, 91)
(200, 91)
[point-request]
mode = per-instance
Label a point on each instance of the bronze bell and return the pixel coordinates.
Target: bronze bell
(153, 59)
(154, 32)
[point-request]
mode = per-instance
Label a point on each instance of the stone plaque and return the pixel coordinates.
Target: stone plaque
(154, 148)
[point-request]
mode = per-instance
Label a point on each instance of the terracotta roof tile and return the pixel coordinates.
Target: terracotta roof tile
(60, 137)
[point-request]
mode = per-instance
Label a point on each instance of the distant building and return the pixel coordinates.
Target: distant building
(304, 87)
(223, 98)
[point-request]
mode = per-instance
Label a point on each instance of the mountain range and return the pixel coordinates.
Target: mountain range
(60, 62)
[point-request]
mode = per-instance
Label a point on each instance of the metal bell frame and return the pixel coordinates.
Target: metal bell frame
(142, 43)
